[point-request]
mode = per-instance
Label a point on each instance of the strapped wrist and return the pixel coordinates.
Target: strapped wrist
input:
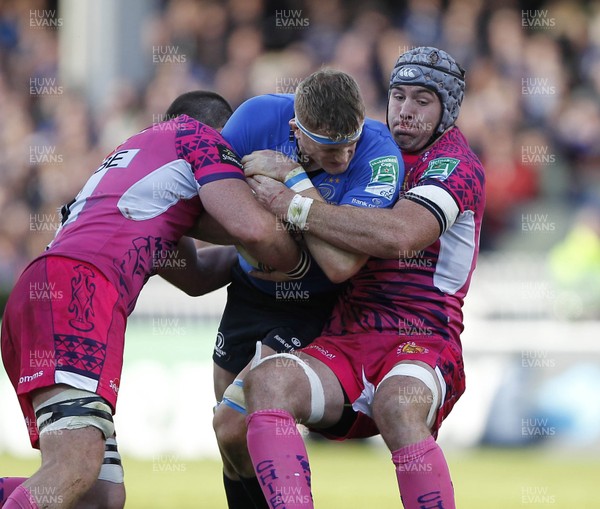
(298, 209)
(297, 180)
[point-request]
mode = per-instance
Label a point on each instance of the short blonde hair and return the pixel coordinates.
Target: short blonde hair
(330, 102)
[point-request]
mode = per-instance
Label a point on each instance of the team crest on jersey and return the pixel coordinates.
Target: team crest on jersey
(327, 191)
(441, 168)
(411, 347)
(228, 156)
(384, 176)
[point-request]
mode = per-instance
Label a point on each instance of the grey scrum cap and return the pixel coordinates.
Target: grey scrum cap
(436, 70)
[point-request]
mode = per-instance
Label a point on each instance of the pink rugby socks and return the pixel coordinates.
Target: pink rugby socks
(279, 458)
(20, 499)
(423, 476)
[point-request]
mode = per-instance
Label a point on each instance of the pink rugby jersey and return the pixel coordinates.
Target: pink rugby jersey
(136, 206)
(421, 293)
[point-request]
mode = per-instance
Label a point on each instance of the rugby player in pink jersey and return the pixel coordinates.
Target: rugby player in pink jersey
(389, 360)
(71, 303)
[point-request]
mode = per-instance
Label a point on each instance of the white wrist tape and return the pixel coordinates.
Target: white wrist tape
(297, 180)
(298, 210)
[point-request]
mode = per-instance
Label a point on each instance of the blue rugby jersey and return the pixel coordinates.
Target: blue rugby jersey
(373, 178)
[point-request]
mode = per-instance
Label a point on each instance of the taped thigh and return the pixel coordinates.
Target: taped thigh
(438, 389)
(317, 393)
(74, 409)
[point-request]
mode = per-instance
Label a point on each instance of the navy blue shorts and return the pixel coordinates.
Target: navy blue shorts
(284, 322)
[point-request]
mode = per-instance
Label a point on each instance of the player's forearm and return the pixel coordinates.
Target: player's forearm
(277, 250)
(347, 228)
(198, 272)
(385, 233)
(367, 231)
(215, 265)
(208, 229)
(232, 204)
(338, 263)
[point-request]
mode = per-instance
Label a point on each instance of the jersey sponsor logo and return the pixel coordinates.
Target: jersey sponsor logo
(411, 347)
(30, 378)
(228, 156)
(359, 203)
(384, 176)
(322, 351)
(376, 202)
(440, 168)
(120, 159)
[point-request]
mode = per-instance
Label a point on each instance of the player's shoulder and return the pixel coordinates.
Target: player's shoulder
(375, 144)
(199, 143)
(454, 144)
(267, 106)
(376, 140)
(376, 131)
(260, 122)
(187, 129)
(451, 155)
(452, 165)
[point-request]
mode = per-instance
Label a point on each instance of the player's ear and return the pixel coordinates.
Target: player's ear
(294, 129)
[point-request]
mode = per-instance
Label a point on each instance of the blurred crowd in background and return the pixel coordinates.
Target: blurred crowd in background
(531, 109)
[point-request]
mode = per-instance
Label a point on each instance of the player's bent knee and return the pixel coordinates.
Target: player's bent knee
(411, 392)
(283, 383)
(108, 492)
(118, 497)
(103, 495)
(115, 498)
(230, 429)
(73, 425)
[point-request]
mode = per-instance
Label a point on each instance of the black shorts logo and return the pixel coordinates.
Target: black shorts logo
(220, 345)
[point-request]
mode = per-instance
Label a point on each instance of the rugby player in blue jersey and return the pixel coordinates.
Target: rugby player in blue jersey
(316, 137)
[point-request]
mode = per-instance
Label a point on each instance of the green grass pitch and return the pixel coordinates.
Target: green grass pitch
(356, 476)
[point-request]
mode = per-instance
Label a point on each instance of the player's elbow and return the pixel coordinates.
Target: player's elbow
(342, 271)
(391, 246)
(338, 276)
(195, 291)
(185, 284)
(403, 246)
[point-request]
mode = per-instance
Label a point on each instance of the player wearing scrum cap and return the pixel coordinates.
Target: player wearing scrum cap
(392, 346)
